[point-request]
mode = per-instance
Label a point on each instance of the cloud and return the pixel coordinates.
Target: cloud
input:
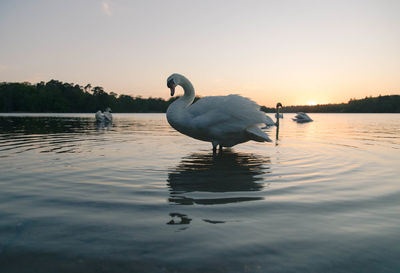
(106, 8)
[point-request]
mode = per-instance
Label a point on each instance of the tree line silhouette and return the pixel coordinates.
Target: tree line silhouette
(58, 97)
(380, 104)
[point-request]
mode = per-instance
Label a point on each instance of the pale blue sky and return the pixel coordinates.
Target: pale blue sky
(295, 52)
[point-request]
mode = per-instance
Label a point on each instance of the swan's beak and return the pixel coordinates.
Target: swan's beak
(172, 87)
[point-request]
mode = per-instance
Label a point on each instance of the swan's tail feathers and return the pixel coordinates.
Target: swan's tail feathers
(256, 134)
(268, 121)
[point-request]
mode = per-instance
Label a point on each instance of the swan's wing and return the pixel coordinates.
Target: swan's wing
(222, 102)
(268, 121)
(209, 119)
(302, 117)
(232, 108)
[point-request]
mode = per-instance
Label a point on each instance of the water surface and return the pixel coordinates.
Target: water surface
(137, 196)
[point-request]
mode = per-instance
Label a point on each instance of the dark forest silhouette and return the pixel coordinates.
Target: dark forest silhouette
(380, 104)
(58, 97)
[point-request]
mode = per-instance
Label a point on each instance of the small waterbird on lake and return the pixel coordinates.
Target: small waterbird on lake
(222, 120)
(104, 117)
(302, 118)
(99, 116)
(107, 114)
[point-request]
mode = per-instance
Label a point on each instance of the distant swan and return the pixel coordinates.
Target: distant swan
(104, 117)
(278, 116)
(99, 116)
(302, 117)
(221, 120)
(107, 114)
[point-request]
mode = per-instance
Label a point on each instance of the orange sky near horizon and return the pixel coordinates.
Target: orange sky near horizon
(294, 52)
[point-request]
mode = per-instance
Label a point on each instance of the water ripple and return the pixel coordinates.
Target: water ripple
(139, 191)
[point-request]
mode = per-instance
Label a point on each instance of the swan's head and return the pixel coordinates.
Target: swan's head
(173, 81)
(279, 105)
(108, 109)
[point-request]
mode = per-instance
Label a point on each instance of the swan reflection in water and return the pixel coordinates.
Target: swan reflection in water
(204, 179)
(103, 126)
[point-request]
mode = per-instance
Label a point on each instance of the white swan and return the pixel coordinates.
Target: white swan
(99, 116)
(302, 117)
(221, 120)
(104, 117)
(107, 114)
(278, 115)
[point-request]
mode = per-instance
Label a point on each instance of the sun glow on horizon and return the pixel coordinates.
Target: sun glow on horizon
(312, 102)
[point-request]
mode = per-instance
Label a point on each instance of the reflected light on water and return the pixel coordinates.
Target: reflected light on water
(137, 196)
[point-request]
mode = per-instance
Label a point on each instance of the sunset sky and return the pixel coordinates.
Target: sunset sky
(295, 52)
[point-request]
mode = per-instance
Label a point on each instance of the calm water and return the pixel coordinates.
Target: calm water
(139, 197)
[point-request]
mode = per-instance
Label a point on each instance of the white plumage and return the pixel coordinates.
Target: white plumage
(99, 116)
(302, 118)
(104, 117)
(108, 115)
(221, 120)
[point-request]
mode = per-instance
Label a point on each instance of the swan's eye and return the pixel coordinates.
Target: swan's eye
(170, 83)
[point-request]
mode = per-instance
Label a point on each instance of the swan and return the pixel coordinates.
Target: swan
(99, 116)
(302, 118)
(277, 114)
(222, 120)
(107, 114)
(104, 117)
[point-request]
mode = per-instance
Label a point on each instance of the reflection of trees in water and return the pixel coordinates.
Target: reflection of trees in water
(48, 133)
(227, 173)
(45, 125)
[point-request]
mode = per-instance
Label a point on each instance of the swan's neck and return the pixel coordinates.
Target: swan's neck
(277, 115)
(188, 96)
(176, 112)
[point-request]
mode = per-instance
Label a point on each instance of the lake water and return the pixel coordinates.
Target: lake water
(138, 196)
